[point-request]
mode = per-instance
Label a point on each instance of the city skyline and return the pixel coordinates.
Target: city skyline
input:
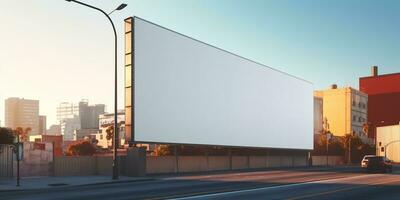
(323, 42)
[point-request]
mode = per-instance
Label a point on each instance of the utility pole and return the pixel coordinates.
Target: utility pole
(328, 137)
(349, 158)
(116, 137)
(18, 158)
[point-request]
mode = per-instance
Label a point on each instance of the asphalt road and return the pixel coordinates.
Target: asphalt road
(314, 183)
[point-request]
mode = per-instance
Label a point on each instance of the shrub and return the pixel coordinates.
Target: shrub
(84, 148)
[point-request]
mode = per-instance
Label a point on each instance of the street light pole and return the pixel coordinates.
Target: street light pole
(116, 135)
(18, 158)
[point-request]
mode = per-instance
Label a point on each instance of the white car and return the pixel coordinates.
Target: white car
(364, 161)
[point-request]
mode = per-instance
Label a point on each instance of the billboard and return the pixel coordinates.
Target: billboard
(188, 92)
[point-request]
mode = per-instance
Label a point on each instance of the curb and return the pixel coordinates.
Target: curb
(74, 185)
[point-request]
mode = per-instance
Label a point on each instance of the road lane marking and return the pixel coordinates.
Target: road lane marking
(224, 192)
(341, 190)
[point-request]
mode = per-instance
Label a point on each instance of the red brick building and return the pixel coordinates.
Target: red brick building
(383, 99)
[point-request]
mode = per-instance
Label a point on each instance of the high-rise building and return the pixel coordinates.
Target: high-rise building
(89, 114)
(344, 111)
(78, 118)
(69, 126)
(22, 113)
(42, 125)
(383, 99)
(67, 110)
(54, 130)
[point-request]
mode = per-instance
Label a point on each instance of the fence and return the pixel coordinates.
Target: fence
(86, 165)
(6, 161)
(102, 165)
(37, 159)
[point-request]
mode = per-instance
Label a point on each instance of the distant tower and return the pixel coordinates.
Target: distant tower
(22, 113)
(42, 124)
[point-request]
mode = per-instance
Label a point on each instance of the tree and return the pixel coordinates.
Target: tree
(22, 133)
(357, 148)
(6, 136)
(84, 148)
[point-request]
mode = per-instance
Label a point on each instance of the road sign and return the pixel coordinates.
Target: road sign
(20, 151)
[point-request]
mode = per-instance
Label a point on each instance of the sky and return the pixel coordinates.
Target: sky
(55, 51)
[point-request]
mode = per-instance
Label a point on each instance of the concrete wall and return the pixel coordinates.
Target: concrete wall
(167, 164)
(256, 162)
(37, 159)
(216, 163)
(332, 160)
(92, 165)
(163, 164)
(239, 162)
(192, 163)
(273, 161)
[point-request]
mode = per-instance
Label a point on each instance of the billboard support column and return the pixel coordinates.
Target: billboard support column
(248, 159)
(135, 162)
(206, 154)
(230, 158)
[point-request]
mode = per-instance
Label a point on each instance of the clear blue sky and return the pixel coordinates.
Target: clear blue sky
(55, 51)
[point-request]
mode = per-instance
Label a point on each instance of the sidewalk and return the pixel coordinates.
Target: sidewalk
(30, 183)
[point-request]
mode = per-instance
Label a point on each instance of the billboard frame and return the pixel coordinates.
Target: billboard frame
(133, 142)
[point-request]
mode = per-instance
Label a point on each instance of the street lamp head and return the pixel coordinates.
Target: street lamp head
(120, 7)
(69, 0)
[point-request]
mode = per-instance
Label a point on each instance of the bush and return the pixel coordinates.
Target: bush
(84, 148)
(336, 146)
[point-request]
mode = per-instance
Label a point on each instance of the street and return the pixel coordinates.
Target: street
(301, 183)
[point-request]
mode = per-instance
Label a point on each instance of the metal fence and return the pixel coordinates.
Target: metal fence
(6, 160)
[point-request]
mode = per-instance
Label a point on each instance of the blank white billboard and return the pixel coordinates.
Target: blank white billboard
(189, 92)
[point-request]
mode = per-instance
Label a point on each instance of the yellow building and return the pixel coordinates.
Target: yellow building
(344, 111)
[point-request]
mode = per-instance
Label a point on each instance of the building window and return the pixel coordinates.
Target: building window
(354, 118)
